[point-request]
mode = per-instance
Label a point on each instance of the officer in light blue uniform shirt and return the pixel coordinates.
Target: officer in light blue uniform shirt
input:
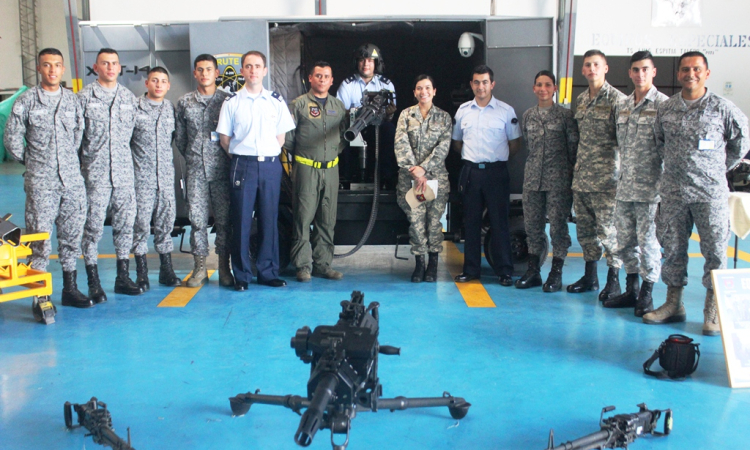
(369, 66)
(486, 133)
(252, 127)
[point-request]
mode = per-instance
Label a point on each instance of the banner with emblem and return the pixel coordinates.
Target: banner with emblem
(230, 77)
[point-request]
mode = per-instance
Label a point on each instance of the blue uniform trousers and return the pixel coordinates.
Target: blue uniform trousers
(486, 186)
(255, 187)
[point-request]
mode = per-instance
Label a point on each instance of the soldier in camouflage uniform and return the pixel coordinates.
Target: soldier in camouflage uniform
(637, 187)
(700, 136)
(551, 137)
(207, 169)
(154, 170)
(107, 163)
(316, 143)
(50, 119)
(423, 136)
(594, 180)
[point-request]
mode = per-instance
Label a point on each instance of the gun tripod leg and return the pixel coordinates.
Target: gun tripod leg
(241, 403)
(457, 406)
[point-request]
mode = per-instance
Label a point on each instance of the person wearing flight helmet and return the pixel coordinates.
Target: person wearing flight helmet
(369, 67)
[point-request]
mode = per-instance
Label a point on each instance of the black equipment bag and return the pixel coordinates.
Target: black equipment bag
(678, 356)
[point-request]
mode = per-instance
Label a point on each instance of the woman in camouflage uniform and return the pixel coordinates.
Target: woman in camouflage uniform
(423, 138)
(551, 137)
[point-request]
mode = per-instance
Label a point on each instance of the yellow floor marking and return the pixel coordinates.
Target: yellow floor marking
(181, 296)
(473, 292)
(743, 256)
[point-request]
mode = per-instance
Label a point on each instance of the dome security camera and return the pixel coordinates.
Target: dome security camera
(466, 43)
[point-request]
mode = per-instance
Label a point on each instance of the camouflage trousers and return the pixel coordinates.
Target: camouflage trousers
(65, 208)
(202, 195)
(425, 229)
(316, 194)
(158, 204)
(637, 245)
(121, 202)
(674, 223)
(595, 226)
(537, 206)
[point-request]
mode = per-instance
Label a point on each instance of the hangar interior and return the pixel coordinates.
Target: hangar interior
(167, 361)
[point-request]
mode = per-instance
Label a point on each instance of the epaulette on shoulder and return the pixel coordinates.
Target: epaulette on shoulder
(384, 79)
(350, 79)
(276, 95)
(232, 95)
(465, 104)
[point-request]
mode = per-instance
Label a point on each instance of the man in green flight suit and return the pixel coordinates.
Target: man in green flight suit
(316, 143)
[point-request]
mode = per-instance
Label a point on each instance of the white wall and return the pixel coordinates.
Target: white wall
(10, 45)
(193, 10)
(52, 33)
(632, 31)
(185, 10)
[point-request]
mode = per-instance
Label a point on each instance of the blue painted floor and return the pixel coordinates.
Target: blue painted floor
(536, 361)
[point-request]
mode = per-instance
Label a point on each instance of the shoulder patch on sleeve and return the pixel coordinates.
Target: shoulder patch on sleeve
(384, 79)
(350, 79)
(18, 107)
(514, 121)
(276, 95)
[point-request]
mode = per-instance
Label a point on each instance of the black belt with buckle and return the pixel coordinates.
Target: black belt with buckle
(484, 165)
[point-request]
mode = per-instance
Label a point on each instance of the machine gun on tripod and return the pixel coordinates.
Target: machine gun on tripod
(95, 417)
(620, 430)
(343, 376)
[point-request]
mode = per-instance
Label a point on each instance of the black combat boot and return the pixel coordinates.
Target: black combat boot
(71, 296)
(226, 279)
(532, 277)
(612, 288)
(430, 274)
(418, 275)
(141, 272)
(554, 280)
(629, 297)
(588, 282)
(166, 271)
(644, 304)
(123, 283)
(96, 293)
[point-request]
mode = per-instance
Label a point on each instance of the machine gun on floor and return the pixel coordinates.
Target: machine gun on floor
(95, 417)
(620, 430)
(343, 376)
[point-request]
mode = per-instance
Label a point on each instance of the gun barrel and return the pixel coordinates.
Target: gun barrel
(593, 440)
(312, 419)
(365, 119)
(110, 439)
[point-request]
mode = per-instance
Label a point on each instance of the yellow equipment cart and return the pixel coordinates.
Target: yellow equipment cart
(14, 246)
